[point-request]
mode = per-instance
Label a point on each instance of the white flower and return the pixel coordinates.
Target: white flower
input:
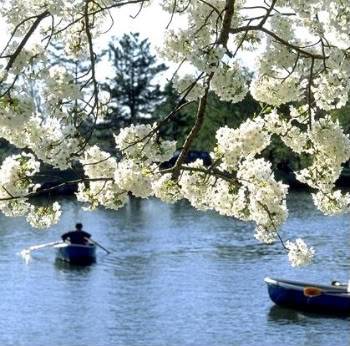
(134, 177)
(299, 253)
(249, 139)
(60, 86)
(16, 111)
(229, 83)
(267, 197)
(189, 85)
(230, 200)
(44, 217)
(330, 148)
(104, 193)
(264, 235)
(98, 163)
(139, 142)
(331, 202)
(195, 186)
(15, 173)
(274, 91)
(166, 189)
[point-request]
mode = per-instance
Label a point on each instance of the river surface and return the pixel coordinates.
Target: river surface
(175, 277)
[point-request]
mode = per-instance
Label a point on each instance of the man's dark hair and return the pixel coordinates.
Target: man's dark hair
(79, 226)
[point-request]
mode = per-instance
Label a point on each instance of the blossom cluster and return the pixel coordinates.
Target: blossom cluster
(141, 142)
(309, 68)
(100, 188)
(250, 138)
(267, 198)
(44, 217)
(197, 45)
(108, 181)
(299, 253)
(330, 148)
(16, 173)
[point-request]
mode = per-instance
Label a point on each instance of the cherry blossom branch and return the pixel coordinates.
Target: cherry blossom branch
(55, 187)
(25, 39)
(13, 33)
(223, 38)
(277, 38)
(268, 12)
(94, 12)
(226, 23)
(310, 92)
(195, 129)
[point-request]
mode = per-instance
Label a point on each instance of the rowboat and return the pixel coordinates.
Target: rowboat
(76, 253)
(325, 299)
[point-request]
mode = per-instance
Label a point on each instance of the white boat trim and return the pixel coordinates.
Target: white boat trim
(74, 245)
(300, 285)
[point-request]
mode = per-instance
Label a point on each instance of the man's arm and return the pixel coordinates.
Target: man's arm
(65, 236)
(87, 235)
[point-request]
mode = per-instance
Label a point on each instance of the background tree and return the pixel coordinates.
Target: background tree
(133, 89)
(218, 114)
(181, 124)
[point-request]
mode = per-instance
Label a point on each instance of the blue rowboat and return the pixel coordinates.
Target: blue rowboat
(325, 299)
(76, 253)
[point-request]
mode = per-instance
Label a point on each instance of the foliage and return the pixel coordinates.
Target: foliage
(181, 124)
(301, 49)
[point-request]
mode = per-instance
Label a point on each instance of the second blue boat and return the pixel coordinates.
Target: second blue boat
(325, 299)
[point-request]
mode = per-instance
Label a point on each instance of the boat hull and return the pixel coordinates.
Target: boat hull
(76, 253)
(328, 300)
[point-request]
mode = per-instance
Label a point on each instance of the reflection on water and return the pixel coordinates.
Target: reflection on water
(176, 276)
(283, 315)
(66, 267)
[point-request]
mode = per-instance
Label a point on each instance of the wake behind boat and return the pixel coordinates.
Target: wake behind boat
(325, 299)
(76, 253)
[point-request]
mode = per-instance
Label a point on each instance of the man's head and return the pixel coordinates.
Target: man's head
(79, 226)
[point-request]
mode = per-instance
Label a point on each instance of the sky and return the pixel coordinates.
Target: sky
(150, 23)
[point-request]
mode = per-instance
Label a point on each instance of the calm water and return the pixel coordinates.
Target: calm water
(175, 277)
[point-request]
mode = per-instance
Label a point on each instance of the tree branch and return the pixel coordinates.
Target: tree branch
(277, 38)
(25, 39)
(195, 129)
(53, 188)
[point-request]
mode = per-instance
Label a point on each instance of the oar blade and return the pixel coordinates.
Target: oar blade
(26, 253)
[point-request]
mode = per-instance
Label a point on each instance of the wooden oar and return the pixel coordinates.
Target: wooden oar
(25, 253)
(38, 247)
(98, 244)
(315, 291)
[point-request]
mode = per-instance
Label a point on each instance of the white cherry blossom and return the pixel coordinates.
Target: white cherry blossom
(299, 253)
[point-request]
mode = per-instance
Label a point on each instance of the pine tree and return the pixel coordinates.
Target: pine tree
(134, 94)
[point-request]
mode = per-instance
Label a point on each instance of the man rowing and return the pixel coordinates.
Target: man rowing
(78, 236)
